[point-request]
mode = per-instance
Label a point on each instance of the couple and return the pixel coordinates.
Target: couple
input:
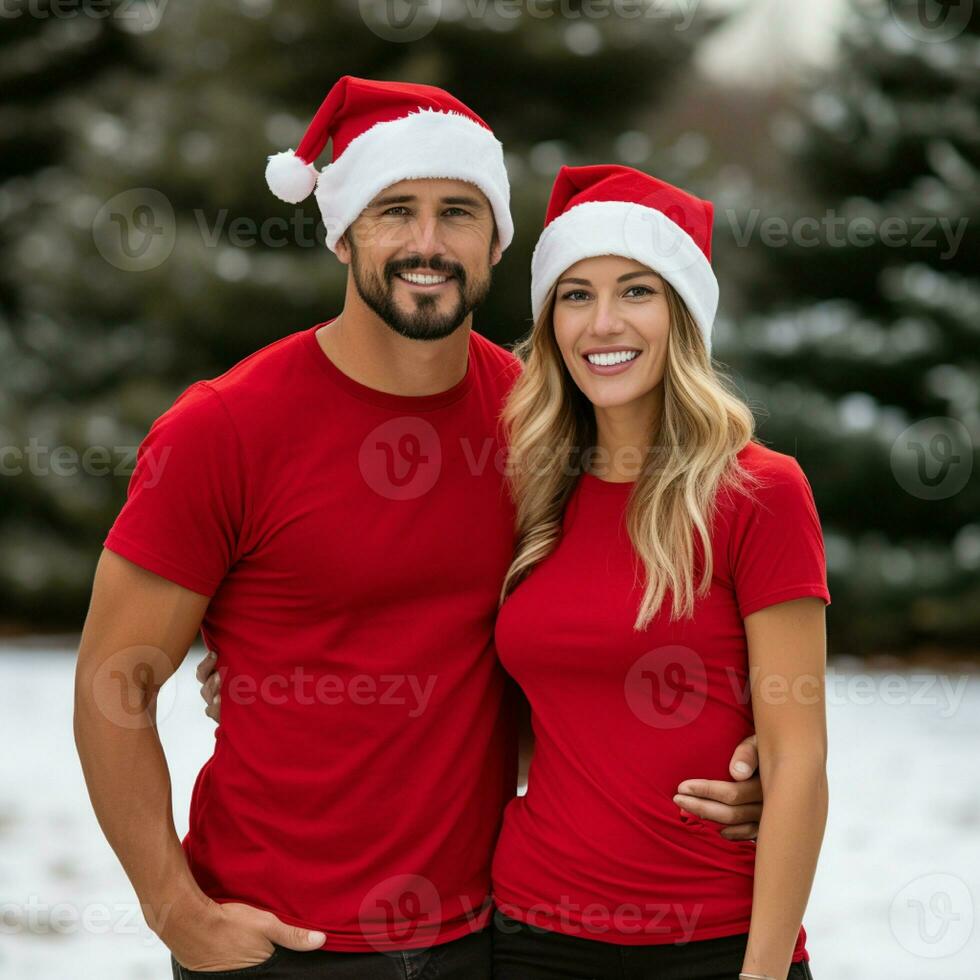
(382, 522)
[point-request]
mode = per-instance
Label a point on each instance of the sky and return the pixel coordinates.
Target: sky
(769, 39)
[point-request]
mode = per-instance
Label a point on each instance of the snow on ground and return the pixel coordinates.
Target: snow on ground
(894, 899)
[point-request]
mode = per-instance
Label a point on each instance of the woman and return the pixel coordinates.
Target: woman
(666, 598)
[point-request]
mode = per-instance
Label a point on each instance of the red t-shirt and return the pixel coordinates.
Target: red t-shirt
(353, 544)
(597, 848)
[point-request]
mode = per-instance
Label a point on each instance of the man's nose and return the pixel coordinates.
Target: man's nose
(425, 237)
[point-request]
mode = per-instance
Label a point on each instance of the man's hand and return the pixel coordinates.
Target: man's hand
(232, 936)
(207, 674)
(737, 804)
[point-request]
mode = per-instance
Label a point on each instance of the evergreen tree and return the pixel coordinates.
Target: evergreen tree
(859, 324)
(160, 257)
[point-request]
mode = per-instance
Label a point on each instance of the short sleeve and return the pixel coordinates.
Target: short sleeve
(185, 504)
(776, 548)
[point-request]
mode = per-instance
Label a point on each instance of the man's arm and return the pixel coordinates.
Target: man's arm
(137, 632)
(737, 804)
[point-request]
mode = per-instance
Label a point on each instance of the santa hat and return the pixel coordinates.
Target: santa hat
(384, 132)
(615, 210)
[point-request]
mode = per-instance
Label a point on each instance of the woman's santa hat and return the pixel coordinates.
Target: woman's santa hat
(615, 210)
(384, 132)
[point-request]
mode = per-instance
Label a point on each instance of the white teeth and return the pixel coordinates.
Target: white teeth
(618, 357)
(421, 280)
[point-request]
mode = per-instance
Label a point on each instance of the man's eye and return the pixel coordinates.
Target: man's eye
(458, 211)
(397, 207)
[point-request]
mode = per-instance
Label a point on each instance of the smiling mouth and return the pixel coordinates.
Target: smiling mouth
(423, 280)
(613, 358)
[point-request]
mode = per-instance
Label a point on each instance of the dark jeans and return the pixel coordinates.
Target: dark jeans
(468, 958)
(523, 952)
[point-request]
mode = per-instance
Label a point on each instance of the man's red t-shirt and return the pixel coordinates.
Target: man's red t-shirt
(598, 848)
(353, 544)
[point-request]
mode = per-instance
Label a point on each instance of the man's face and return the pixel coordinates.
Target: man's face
(421, 254)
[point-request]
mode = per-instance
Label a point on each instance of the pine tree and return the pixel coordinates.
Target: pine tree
(162, 258)
(859, 325)
(53, 58)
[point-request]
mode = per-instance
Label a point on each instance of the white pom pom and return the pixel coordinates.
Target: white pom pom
(290, 178)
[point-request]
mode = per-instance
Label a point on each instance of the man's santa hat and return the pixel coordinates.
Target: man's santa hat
(384, 132)
(614, 210)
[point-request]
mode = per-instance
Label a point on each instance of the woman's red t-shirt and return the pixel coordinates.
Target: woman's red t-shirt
(597, 847)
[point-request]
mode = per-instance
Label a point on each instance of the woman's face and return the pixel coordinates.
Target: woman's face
(611, 323)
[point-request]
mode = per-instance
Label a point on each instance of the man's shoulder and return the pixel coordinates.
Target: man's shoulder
(252, 386)
(266, 368)
(501, 365)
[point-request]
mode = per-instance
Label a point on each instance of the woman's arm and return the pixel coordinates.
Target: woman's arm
(787, 664)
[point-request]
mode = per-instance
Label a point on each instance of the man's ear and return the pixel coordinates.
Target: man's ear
(496, 252)
(342, 249)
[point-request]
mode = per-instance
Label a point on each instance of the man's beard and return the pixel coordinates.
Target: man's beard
(424, 322)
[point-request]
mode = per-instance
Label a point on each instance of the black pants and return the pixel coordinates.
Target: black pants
(523, 952)
(468, 958)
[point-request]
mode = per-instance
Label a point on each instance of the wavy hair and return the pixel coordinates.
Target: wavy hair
(551, 430)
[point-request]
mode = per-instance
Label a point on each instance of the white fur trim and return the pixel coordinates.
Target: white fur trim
(290, 178)
(427, 143)
(634, 231)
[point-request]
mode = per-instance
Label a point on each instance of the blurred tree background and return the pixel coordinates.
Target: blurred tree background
(164, 111)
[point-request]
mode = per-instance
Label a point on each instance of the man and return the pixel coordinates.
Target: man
(331, 513)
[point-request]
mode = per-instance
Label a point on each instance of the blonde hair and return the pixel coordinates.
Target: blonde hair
(550, 428)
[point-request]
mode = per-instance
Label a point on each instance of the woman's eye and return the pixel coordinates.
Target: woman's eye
(574, 294)
(644, 290)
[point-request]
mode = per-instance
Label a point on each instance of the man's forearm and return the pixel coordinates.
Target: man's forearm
(129, 785)
(790, 835)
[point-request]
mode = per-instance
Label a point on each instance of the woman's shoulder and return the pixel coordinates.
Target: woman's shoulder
(770, 480)
(763, 462)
